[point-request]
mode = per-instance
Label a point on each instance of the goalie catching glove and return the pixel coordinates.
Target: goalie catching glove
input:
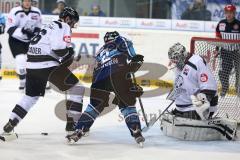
(136, 63)
(201, 104)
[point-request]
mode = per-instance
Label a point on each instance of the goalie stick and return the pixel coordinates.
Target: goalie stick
(153, 120)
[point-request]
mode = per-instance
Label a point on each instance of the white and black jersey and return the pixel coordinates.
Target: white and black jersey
(54, 36)
(18, 18)
(229, 31)
(194, 78)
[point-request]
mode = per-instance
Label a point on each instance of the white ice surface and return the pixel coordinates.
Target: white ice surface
(109, 138)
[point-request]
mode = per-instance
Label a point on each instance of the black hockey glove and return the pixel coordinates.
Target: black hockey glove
(2, 28)
(136, 63)
(28, 32)
(67, 60)
(136, 90)
(66, 56)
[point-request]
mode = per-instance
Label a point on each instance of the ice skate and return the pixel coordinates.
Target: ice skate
(75, 136)
(138, 137)
(10, 125)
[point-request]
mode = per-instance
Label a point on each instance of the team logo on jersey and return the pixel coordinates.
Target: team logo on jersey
(203, 77)
(67, 39)
(222, 26)
(236, 26)
(185, 71)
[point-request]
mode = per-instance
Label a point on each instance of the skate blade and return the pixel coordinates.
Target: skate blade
(86, 134)
(6, 137)
(141, 144)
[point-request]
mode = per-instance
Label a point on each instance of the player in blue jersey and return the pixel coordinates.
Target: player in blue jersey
(2, 28)
(112, 74)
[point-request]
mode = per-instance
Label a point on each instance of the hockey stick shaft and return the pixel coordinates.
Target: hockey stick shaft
(140, 102)
(154, 120)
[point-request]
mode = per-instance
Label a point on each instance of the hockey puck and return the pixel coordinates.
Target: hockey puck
(44, 133)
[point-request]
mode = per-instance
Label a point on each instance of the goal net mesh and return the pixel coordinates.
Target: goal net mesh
(224, 60)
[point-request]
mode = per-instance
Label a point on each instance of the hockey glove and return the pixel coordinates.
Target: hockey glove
(201, 104)
(136, 90)
(2, 28)
(28, 32)
(66, 56)
(136, 63)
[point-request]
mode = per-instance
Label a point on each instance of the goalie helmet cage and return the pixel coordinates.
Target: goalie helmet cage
(209, 49)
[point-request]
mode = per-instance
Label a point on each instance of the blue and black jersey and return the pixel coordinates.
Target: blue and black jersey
(112, 57)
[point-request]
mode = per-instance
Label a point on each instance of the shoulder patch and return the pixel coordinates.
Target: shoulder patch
(203, 77)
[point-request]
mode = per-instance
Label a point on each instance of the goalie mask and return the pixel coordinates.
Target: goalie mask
(177, 55)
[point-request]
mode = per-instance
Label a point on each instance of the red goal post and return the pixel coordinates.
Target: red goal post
(210, 49)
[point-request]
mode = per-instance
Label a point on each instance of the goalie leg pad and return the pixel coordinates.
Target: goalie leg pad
(198, 130)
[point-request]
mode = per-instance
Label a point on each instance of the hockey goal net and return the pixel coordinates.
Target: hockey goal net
(223, 64)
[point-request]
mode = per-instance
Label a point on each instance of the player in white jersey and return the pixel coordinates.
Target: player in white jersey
(195, 95)
(22, 24)
(48, 57)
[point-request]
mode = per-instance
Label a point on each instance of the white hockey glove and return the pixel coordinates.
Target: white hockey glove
(201, 104)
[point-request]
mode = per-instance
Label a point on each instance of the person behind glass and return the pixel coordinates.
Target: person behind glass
(60, 7)
(228, 28)
(23, 23)
(35, 3)
(2, 28)
(96, 11)
(197, 11)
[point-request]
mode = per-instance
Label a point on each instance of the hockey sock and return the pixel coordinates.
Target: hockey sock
(74, 109)
(131, 118)
(87, 118)
(21, 109)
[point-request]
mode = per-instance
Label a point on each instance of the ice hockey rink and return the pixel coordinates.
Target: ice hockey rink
(109, 138)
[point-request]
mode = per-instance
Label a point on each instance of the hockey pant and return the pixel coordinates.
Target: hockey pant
(229, 60)
(36, 80)
(99, 98)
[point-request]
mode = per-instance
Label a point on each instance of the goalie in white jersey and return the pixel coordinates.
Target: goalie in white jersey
(48, 57)
(195, 96)
(22, 24)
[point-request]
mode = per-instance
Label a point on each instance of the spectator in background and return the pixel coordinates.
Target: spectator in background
(35, 3)
(96, 11)
(197, 11)
(60, 6)
(2, 28)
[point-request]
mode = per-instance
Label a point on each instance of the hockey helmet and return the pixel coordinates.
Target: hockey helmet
(230, 8)
(177, 55)
(69, 12)
(109, 36)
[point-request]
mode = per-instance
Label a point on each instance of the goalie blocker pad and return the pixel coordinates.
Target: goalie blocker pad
(199, 130)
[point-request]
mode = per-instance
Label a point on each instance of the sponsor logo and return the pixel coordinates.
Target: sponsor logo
(21, 15)
(10, 20)
(222, 26)
(203, 77)
(67, 39)
(236, 27)
(34, 17)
